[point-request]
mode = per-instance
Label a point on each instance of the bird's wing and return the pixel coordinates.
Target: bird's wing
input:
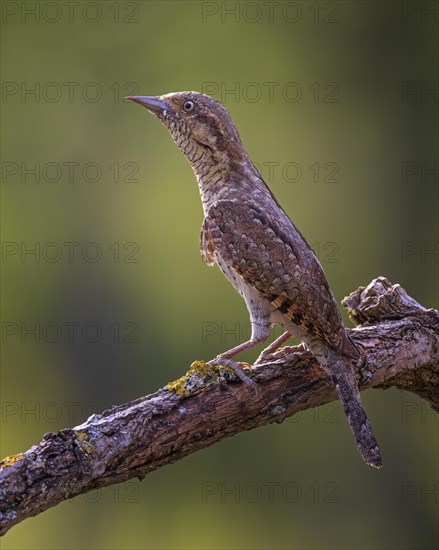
(271, 255)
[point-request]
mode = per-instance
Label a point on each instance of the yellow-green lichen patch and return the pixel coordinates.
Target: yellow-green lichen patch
(352, 314)
(177, 386)
(198, 374)
(82, 440)
(10, 460)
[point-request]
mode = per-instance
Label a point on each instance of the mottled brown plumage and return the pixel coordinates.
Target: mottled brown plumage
(265, 257)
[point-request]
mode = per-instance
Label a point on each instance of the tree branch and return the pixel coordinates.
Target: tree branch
(400, 341)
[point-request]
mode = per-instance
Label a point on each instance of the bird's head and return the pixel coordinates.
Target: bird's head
(199, 124)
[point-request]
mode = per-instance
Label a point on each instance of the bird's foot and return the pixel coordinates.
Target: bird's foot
(267, 356)
(237, 368)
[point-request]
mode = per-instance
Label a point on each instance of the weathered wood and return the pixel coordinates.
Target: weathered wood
(400, 341)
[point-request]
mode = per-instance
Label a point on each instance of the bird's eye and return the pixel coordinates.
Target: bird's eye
(188, 106)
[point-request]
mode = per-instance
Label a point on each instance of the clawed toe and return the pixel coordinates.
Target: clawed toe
(237, 368)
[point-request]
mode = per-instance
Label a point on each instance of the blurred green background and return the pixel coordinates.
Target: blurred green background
(336, 103)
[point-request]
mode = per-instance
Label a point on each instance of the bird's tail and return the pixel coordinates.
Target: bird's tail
(342, 372)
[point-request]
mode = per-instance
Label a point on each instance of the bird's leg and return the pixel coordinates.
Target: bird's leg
(260, 332)
(225, 358)
(254, 341)
(269, 353)
(269, 350)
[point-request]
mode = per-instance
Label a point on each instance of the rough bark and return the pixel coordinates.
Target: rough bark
(400, 341)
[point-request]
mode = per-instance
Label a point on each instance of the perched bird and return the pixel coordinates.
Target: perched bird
(259, 249)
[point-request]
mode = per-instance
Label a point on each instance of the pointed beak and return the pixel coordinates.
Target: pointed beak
(153, 104)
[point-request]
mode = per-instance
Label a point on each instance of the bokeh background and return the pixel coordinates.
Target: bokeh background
(337, 104)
